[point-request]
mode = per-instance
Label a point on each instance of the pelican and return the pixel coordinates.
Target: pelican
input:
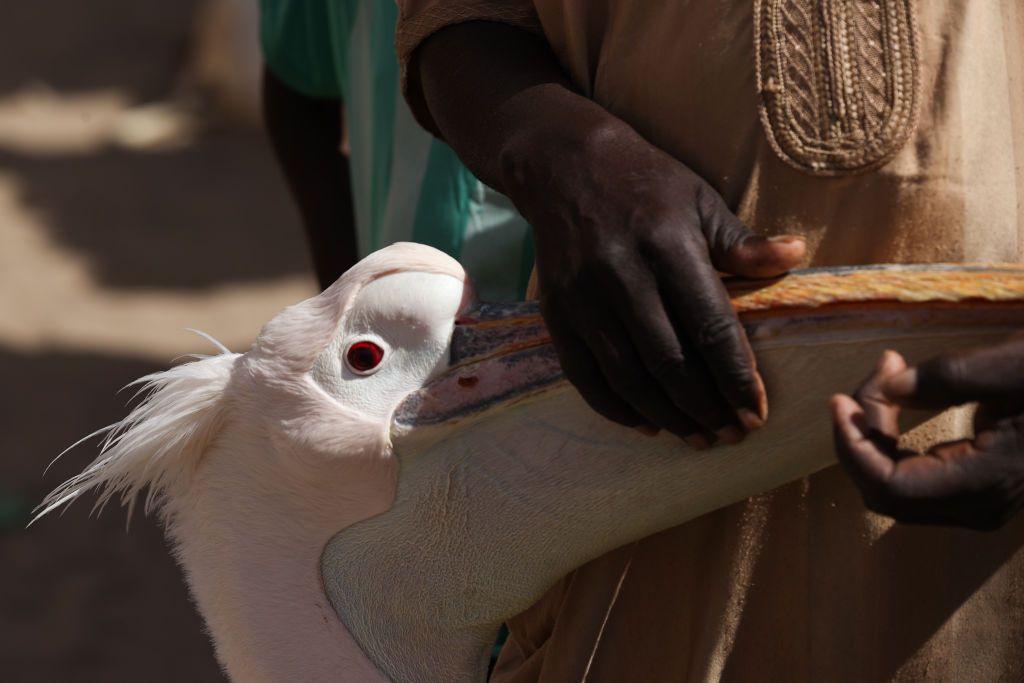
(394, 468)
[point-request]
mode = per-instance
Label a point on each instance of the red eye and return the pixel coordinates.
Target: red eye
(364, 356)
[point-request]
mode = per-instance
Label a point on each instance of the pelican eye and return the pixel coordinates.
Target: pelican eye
(363, 357)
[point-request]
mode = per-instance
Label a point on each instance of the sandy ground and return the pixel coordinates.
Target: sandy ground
(125, 217)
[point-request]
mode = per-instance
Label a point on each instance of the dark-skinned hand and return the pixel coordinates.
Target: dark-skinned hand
(629, 247)
(629, 241)
(976, 483)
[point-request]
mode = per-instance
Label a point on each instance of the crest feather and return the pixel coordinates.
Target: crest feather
(161, 440)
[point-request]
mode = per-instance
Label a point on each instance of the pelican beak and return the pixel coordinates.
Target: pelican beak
(487, 330)
(500, 353)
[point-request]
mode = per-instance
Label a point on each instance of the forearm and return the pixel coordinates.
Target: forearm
(495, 91)
(306, 136)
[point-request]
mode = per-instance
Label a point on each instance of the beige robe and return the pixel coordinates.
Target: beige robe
(884, 131)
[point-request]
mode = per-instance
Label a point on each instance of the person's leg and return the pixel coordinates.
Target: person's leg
(306, 135)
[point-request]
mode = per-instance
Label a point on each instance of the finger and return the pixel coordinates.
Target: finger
(582, 371)
(681, 375)
(626, 375)
(987, 374)
(957, 484)
(868, 462)
(1004, 421)
(735, 249)
(952, 452)
(696, 301)
(881, 413)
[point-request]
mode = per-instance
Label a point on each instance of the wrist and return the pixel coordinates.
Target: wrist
(559, 148)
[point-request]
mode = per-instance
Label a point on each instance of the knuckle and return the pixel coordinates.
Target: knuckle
(688, 389)
(715, 331)
(718, 222)
(738, 379)
(606, 250)
(604, 268)
(721, 344)
(673, 243)
(653, 248)
(663, 239)
(861, 394)
(670, 366)
(868, 394)
(707, 201)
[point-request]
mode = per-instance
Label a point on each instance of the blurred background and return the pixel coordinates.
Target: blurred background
(138, 197)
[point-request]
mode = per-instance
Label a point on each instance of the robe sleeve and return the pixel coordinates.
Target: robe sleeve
(419, 19)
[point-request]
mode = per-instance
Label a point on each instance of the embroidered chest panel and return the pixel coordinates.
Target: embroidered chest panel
(837, 80)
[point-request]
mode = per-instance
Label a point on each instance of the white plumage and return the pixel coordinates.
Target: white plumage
(376, 523)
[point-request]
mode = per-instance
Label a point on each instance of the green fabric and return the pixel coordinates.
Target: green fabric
(444, 201)
(406, 185)
(385, 94)
(298, 46)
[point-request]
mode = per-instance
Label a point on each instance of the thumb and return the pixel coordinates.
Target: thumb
(735, 249)
(757, 257)
(869, 461)
(986, 374)
(881, 413)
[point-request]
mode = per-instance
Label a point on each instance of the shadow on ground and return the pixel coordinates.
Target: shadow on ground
(135, 46)
(213, 212)
(82, 599)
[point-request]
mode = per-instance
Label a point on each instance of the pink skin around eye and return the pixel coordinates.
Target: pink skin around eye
(364, 356)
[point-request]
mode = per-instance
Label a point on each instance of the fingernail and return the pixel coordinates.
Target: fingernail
(750, 419)
(698, 441)
(901, 384)
(647, 430)
(787, 239)
(891, 361)
(730, 434)
(762, 398)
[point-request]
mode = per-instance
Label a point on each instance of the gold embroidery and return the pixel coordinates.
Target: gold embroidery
(837, 80)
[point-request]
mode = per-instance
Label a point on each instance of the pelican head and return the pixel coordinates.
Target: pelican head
(395, 468)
